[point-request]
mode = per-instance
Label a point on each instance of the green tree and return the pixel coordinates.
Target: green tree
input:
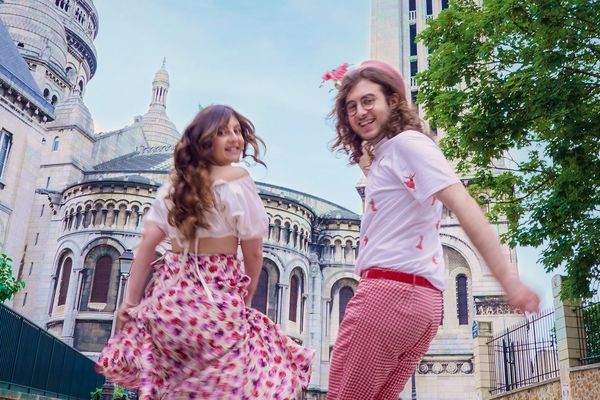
(9, 285)
(524, 76)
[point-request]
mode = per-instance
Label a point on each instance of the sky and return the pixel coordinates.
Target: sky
(264, 58)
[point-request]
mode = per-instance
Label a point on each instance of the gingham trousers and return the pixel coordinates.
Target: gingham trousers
(386, 330)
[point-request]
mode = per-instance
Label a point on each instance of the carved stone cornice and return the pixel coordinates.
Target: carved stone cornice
(493, 305)
(445, 367)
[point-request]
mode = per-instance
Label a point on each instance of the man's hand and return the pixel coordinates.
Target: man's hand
(522, 297)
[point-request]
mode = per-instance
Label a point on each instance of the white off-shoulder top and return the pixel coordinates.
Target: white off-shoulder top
(238, 211)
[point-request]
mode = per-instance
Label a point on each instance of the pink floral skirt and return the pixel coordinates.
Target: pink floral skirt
(185, 343)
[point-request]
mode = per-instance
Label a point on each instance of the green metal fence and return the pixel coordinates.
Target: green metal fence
(34, 361)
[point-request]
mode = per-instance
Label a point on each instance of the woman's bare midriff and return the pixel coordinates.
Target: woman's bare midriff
(224, 245)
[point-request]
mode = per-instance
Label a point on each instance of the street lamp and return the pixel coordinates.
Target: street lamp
(125, 266)
(125, 262)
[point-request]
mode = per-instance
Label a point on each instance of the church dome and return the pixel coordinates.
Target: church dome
(158, 128)
(161, 76)
(37, 29)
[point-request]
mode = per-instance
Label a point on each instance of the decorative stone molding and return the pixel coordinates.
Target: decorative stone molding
(493, 305)
(443, 367)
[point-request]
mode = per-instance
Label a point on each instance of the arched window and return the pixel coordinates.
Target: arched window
(462, 302)
(54, 100)
(64, 281)
(55, 143)
(46, 93)
(81, 87)
(259, 301)
(101, 280)
(346, 293)
(266, 297)
(294, 292)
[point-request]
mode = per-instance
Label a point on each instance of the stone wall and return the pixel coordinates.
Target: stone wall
(584, 382)
(10, 395)
(549, 390)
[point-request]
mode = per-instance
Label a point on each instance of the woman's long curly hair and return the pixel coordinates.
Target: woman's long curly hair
(403, 115)
(191, 191)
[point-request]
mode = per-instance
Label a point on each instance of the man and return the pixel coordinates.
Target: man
(394, 316)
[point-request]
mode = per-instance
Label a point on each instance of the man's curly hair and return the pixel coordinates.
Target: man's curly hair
(403, 115)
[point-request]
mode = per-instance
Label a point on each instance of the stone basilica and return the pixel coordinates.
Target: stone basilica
(72, 202)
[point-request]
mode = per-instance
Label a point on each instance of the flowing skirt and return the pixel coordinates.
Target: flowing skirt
(193, 337)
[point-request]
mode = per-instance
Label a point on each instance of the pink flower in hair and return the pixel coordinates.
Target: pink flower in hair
(336, 75)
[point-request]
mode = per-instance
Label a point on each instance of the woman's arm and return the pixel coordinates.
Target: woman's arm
(478, 229)
(253, 257)
(140, 270)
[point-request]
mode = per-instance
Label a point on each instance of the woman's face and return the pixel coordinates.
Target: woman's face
(228, 143)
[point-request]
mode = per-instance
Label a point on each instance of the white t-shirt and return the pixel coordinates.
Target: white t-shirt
(238, 211)
(400, 225)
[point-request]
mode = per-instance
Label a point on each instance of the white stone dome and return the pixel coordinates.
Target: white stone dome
(161, 76)
(38, 26)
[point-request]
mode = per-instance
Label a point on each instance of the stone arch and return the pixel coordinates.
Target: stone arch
(457, 265)
(100, 278)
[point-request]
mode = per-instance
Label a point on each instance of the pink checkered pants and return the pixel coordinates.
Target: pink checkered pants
(385, 332)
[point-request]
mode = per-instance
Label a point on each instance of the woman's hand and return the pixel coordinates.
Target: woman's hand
(123, 316)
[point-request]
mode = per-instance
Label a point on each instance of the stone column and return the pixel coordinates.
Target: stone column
(315, 320)
(68, 329)
(282, 314)
(481, 361)
(567, 337)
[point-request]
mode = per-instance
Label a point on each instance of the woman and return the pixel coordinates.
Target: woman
(193, 334)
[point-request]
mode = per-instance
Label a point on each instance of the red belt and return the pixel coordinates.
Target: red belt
(381, 273)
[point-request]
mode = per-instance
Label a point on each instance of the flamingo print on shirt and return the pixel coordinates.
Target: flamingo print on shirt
(372, 205)
(435, 260)
(420, 244)
(410, 181)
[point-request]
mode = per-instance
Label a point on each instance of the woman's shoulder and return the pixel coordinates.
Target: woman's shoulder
(229, 174)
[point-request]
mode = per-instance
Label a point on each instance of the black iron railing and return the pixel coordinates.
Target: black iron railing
(588, 326)
(34, 361)
(524, 354)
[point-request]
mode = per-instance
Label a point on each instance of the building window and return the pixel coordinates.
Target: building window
(413, 43)
(46, 93)
(462, 300)
(429, 7)
(444, 4)
(259, 301)
(413, 68)
(101, 281)
(346, 293)
(54, 100)
(55, 143)
(5, 144)
(30, 268)
(47, 182)
(37, 238)
(42, 210)
(412, 5)
(64, 281)
(294, 291)
(24, 300)
(413, 96)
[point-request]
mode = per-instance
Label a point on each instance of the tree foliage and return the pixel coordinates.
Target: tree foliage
(516, 85)
(9, 285)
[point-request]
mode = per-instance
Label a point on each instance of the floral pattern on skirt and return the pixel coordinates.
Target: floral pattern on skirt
(181, 345)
